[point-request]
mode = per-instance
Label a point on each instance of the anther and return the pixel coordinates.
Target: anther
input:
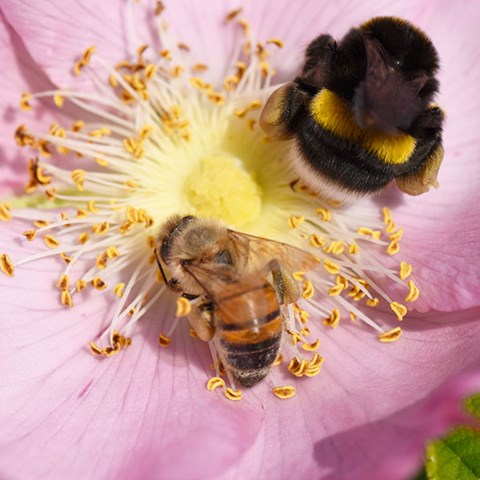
(391, 335)
(399, 310)
(6, 265)
(214, 383)
(284, 392)
(183, 307)
(413, 292)
(164, 341)
(233, 394)
(405, 270)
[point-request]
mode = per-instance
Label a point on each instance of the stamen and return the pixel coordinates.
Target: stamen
(214, 383)
(284, 392)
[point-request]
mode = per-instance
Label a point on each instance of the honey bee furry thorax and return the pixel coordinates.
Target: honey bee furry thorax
(361, 114)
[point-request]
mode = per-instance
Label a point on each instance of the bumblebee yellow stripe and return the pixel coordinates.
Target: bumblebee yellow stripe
(334, 115)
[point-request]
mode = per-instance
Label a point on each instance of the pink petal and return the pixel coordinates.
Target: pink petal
(20, 74)
(67, 413)
(71, 30)
(373, 405)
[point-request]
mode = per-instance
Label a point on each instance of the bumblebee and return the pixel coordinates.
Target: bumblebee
(361, 114)
(237, 285)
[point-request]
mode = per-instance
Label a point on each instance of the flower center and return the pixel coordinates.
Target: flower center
(219, 186)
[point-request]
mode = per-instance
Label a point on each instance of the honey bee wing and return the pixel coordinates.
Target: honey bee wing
(262, 250)
(213, 278)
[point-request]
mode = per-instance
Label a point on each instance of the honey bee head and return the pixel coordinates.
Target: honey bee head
(193, 241)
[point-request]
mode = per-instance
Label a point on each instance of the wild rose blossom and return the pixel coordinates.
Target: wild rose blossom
(143, 411)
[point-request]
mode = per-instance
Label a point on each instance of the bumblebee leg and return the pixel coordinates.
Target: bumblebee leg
(284, 284)
(317, 60)
(201, 320)
(427, 129)
(426, 177)
(278, 117)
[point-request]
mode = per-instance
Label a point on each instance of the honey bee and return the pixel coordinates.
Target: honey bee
(361, 113)
(238, 285)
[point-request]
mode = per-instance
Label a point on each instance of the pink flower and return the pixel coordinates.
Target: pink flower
(145, 413)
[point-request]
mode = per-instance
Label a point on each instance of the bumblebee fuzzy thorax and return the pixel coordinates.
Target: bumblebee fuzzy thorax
(360, 113)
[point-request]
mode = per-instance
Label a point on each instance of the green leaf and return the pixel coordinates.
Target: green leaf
(472, 404)
(455, 457)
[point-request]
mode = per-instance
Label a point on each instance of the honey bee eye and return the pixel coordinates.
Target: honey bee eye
(223, 257)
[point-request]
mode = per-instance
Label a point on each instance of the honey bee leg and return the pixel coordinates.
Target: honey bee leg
(201, 320)
(283, 108)
(284, 284)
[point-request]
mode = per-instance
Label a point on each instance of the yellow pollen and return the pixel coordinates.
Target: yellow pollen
(284, 392)
(331, 267)
(391, 335)
(393, 248)
(278, 360)
(118, 289)
(336, 290)
(214, 383)
(316, 240)
(399, 310)
(64, 282)
(164, 341)
(352, 316)
(41, 223)
(387, 215)
(413, 293)
(325, 214)
(6, 265)
(5, 214)
(231, 15)
(67, 259)
(183, 307)
(83, 237)
(275, 41)
(101, 228)
(78, 177)
(159, 8)
(58, 100)
(298, 276)
(220, 187)
(405, 270)
(245, 27)
(233, 394)
(87, 54)
(81, 284)
(51, 241)
(333, 320)
(311, 347)
(101, 261)
(66, 298)
(372, 302)
(375, 234)
(24, 105)
(397, 236)
(99, 284)
(308, 291)
(294, 221)
(353, 249)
